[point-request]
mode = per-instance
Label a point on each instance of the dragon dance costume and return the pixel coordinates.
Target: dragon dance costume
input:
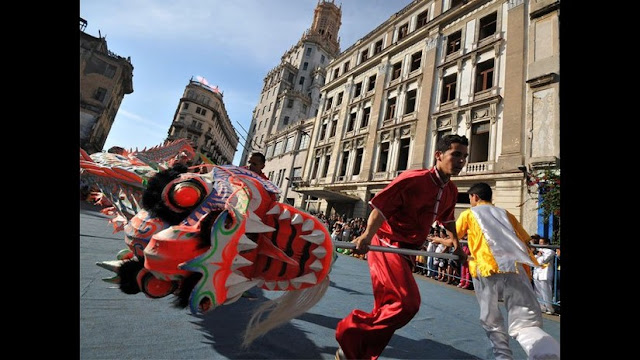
(207, 238)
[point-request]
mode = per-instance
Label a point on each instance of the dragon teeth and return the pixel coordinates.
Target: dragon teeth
(319, 252)
(274, 210)
(296, 219)
(286, 214)
(316, 237)
(308, 225)
(246, 244)
(309, 278)
(316, 265)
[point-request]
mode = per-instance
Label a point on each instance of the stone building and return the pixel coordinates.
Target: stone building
(487, 69)
(202, 118)
(104, 80)
(283, 119)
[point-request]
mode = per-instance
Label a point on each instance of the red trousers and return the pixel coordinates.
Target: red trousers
(364, 335)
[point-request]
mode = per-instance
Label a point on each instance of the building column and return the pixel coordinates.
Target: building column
(514, 104)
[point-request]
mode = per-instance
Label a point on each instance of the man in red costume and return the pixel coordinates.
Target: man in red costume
(402, 215)
(256, 164)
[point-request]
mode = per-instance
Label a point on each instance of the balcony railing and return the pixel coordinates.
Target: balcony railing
(480, 167)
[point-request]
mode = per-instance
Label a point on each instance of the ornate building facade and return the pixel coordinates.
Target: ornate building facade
(105, 78)
(283, 119)
(487, 69)
(202, 118)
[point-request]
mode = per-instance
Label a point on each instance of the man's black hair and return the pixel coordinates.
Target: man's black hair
(483, 190)
(260, 156)
(445, 142)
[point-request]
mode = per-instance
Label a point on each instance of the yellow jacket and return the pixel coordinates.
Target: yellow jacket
(497, 241)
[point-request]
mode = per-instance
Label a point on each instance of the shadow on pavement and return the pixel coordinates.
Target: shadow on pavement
(226, 325)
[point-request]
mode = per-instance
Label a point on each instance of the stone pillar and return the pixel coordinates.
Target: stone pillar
(514, 102)
(421, 141)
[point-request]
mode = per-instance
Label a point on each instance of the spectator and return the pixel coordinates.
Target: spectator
(543, 277)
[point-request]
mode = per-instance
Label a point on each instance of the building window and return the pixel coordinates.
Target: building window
(339, 101)
(391, 108)
(423, 18)
(309, 50)
(479, 149)
(334, 126)
(285, 121)
(289, 146)
(410, 105)
(346, 67)
(290, 103)
(304, 109)
(352, 121)
(203, 112)
(455, 3)
(323, 129)
(329, 102)
(453, 42)
(316, 164)
(384, 156)
(185, 106)
(290, 77)
(364, 55)
(325, 170)
(358, 89)
(269, 151)
(415, 61)
(365, 117)
(372, 83)
(377, 47)
(278, 148)
(358, 162)
(488, 26)
(403, 157)
(270, 106)
(301, 82)
(484, 75)
(304, 141)
(321, 59)
(403, 31)
(100, 94)
(305, 66)
(397, 69)
(344, 163)
(336, 72)
(448, 88)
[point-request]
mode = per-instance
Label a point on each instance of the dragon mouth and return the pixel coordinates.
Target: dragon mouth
(288, 253)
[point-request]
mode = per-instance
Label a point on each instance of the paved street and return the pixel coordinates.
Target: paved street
(114, 325)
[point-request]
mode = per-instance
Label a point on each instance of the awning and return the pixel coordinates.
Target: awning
(328, 194)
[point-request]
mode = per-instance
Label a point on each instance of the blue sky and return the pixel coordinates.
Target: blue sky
(225, 41)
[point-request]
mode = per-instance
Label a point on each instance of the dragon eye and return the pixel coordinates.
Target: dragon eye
(186, 194)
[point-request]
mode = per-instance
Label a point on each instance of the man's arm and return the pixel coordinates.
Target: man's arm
(374, 222)
(453, 235)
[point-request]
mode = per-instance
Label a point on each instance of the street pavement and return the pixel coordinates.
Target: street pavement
(114, 325)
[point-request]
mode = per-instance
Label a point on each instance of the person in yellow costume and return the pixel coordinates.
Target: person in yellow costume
(500, 265)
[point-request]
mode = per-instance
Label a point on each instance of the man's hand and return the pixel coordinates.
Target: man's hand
(362, 244)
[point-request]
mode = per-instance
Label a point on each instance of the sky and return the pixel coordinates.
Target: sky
(233, 44)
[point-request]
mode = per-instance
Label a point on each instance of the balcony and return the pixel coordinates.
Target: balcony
(479, 168)
(380, 176)
(194, 129)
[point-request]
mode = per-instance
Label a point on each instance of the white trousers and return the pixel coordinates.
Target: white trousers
(544, 292)
(524, 316)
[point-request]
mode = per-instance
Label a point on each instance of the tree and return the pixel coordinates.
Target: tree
(548, 183)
